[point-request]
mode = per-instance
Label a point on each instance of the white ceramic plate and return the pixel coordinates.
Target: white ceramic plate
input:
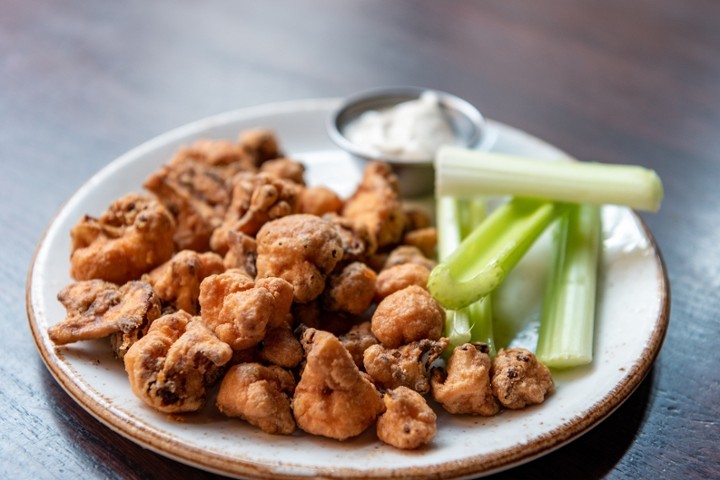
(631, 322)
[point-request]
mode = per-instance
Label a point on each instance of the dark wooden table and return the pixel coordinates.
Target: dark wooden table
(614, 81)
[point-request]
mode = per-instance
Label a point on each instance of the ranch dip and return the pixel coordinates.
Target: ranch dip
(412, 130)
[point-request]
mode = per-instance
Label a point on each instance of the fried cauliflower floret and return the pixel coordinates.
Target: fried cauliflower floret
(259, 395)
(132, 237)
(408, 421)
(376, 205)
(358, 339)
(98, 309)
(301, 249)
(286, 169)
(408, 254)
(319, 200)
(397, 277)
(239, 311)
(416, 218)
(519, 379)
(406, 316)
(357, 243)
(242, 253)
(406, 366)
(333, 398)
(425, 239)
(261, 198)
(177, 281)
(172, 367)
(280, 347)
(261, 144)
(229, 157)
(350, 290)
(464, 388)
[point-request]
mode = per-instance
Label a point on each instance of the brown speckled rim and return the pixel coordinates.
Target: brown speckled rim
(137, 431)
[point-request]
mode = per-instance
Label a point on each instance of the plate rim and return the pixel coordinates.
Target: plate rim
(484, 464)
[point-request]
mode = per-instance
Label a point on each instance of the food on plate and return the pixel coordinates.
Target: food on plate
(174, 364)
(132, 237)
(405, 366)
(333, 398)
(519, 379)
(302, 249)
(406, 316)
(98, 309)
(464, 386)
(408, 421)
(310, 311)
(260, 395)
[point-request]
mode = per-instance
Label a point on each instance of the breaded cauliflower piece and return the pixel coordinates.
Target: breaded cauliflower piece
(407, 315)
(351, 289)
(242, 253)
(357, 340)
(261, 144)
(519, 379)
(133, 236)
(357, 243)
(464, 388)
(301, 249)
(416, 218)
(256, 201)
(408, 254)
(397, 277)
(376, 205)
(333, 398)
(319, 200)
(172, 367)
(280, 347)
(425, 239)
(286, 169)
(177, 281)
(406, 366)
(408, 421)
(259, 395)
(97, 309)
(238, 311)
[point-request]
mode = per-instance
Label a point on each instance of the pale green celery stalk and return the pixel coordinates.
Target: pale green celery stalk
(464, 172)
(455, 219)
(479, 264)
(568, 318)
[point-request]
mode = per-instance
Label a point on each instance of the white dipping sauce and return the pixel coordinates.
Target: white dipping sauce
(412, 130)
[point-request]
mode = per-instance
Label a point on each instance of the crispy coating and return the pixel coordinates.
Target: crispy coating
(406, 366)
(406, 316)
(301, 249)
(256, 200)
(97, 309)
(319, 200)
(333, 398)
(425, 239)
(280, 347)
(358, 339)
(376, 205)
(172, 367)
(397, 277)
(464, 388)
(286, 169)
(408, 421)
(229, 157)
(261, 144)
(259, 395)
(240, 311)
(416, 218)
(242, 253)
(519, 379)
(132, 237)
(351, 289)
(408, 254)
(357, 243)
(177, 281)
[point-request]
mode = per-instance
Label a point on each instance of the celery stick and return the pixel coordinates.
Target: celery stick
(483, 259)
(567, 322)
(464, 172)
(481, 329)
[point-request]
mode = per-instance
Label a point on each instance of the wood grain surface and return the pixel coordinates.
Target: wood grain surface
(614, 81)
